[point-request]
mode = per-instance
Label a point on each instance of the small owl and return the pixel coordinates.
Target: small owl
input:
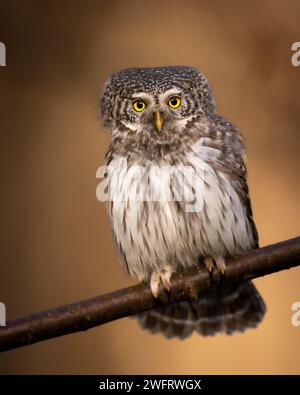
(165, 118)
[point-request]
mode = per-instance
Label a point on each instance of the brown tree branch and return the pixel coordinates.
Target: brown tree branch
(190, 284)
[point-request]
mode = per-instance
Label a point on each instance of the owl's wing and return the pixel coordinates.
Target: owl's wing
(226, 138)
(245, 198)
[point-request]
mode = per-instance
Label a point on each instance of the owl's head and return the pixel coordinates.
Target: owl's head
(156, 100)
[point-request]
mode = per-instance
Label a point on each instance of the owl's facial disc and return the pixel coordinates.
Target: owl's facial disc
(155, 100)
(157, 111)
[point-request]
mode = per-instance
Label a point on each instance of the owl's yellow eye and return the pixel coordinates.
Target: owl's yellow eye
(174, 102)
(139, 105)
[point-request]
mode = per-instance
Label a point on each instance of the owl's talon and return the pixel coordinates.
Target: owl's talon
(154, 284)
(220, 263)
(164, 277)
(209, 263)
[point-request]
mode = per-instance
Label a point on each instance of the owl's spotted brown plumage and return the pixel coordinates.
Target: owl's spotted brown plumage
(162, 117)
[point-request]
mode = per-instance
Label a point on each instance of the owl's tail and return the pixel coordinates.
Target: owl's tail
(227, 310)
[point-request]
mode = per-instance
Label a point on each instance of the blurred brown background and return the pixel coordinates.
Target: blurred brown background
(56, 245)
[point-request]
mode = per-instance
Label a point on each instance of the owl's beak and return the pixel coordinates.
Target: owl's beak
(158, 121)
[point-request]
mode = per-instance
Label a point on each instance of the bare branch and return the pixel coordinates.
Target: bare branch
(190, 284)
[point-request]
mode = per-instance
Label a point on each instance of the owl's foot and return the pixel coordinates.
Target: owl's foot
(209, 263)
(218, 262)
(163, 276)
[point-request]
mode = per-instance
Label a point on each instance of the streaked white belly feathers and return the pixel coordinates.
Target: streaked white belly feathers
(151, 234)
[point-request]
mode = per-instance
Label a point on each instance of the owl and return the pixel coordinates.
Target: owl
(165, 118)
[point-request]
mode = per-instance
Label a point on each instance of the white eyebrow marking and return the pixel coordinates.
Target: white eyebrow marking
(142, 95)
(169, 92)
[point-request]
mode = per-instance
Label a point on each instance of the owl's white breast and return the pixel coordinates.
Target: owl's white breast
(151, 234)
